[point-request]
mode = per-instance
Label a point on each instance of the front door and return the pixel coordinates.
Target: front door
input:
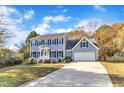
(45, 54)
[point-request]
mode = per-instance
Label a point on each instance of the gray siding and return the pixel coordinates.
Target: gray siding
(90, 48)
(68, 53)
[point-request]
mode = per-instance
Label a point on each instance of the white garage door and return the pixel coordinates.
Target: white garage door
(84, 56)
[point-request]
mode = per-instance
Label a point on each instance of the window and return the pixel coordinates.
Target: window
(45, 42)
(84, 44)
(53, 41)
(33, 43)
(49, 41)
(38, 54)
(53, 53)
(57, 41)
(39, 42)
(36, 43)
(60, 41)
(42, 42)
(42, 53)
(60, 53)
(34, 54)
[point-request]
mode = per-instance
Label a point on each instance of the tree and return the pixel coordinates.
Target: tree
(92, 26)
(78, 33)
(25, 48)
(4, 32)
(110, 39)
(4, 52)
(101, 35)
(31, 35)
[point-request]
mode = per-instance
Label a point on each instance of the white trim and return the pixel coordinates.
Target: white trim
(87, 40)
(91, 43)
(69, 50)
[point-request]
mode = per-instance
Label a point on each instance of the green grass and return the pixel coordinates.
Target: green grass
(116, 72)
(20, 74)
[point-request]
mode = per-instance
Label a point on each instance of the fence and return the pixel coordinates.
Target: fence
(112, 58)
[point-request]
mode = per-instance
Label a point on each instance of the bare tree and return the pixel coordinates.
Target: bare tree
(93, 25)
(4, 32)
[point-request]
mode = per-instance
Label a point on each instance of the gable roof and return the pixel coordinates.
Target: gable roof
(71, 44)
(48, 36)
(91, 42)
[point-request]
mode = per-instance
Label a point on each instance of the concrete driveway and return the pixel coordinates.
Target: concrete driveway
(78, 74)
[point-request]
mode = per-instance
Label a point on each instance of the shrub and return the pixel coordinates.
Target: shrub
(59, 60)
(67, 59)
(17, 60)
(47, 61)
(10, 61)
(2, 62)
(41, 61)
(31, 61)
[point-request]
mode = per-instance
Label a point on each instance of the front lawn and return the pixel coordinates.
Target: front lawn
(116, 72)
(20, 74)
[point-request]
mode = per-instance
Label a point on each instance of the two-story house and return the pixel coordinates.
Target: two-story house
(56, 46)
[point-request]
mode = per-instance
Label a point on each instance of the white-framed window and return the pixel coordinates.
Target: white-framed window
(84, 44)
(53, 53)
(33, 43)
(60, 41)
(53, 41)
(49, 42)
(41, 42)
(60, 53)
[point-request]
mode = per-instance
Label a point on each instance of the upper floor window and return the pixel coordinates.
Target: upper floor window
(32, 43)
(84, 44)
(36, 43)
(49, 42)
(60, 41)
(53, 41)
(42, 42)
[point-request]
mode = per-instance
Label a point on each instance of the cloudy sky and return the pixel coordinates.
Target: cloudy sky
(55, 19)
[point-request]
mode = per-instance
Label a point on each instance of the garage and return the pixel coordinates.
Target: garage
(84, 56)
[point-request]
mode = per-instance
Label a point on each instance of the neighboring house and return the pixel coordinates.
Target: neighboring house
(56, 46)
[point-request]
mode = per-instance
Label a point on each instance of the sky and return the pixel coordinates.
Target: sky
(48, 19)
